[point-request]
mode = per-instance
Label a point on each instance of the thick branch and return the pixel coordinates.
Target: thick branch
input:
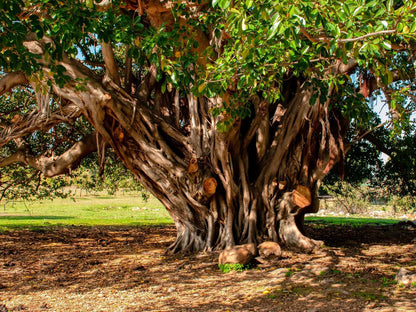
(12, 80)
(25, 125)
(379, 144)
(259, 117)
(195, 123)
(55, 165)
(110, 62)
(343, 69)
(128, 74)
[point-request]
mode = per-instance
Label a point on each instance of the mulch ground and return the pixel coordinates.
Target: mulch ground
(125, 269)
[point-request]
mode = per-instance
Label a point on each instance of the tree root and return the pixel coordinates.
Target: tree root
(293, 238)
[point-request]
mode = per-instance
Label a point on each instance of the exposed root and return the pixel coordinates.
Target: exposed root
(293, 238)
(187, 242)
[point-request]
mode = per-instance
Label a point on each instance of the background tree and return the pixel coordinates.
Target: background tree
(397, 175)
(362, 164)
(229, 112)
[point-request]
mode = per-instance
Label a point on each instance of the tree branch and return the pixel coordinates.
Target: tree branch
(305, 32)
(378, 144)
(25, 125)
(259, 117)
(128, 73)
(368, 134)
(373, 34)
(53, 166)
(12, 80)
(342, 68)
(110, 63)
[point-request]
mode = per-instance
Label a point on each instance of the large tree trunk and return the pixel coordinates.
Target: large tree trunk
(253, 182)
(233, 187)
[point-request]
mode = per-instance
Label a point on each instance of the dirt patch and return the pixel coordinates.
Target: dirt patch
(125, 269)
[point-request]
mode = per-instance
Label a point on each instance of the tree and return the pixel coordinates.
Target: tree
(362, 164)
(229, 112)
(398, 174)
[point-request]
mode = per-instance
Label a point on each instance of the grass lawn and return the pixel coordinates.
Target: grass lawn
(122, 210)
(352, 221)
(92, 210)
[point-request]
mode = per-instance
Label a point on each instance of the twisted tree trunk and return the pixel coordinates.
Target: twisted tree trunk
(253, 182)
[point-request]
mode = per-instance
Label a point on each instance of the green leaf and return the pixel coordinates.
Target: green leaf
(275, 26)
(173, 78)
(346, 8)
(305, 50)
(224, 4)
(386, 45)
(389, 77)
(399, 27)
(201, 87)
(389, 5)
(380, 12)
(357, 10)
(413, 28)
(292, 10)
(90, 4)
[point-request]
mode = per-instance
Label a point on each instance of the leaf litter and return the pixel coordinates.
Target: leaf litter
(125, 269)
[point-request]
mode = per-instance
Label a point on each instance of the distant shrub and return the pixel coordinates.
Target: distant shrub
(403, 204)
(350, 198)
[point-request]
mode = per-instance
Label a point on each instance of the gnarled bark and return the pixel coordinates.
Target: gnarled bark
(51, 166)
(221, 188)
(255, 168)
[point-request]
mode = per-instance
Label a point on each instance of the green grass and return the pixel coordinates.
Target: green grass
(124, 210)
(238, 267)
(352, 221)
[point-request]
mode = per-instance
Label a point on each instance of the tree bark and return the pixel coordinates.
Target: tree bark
(169, 140)
(221, 188)
(54, 165)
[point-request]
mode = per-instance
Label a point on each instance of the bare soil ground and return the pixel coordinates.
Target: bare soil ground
(125, 269)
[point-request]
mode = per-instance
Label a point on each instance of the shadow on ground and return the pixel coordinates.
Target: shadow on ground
(125, 269)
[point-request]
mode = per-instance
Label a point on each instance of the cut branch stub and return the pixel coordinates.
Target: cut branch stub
(282, 185)
(210, 187)
(193, 165)
(302, 196)
(16, 118)
(119, 133)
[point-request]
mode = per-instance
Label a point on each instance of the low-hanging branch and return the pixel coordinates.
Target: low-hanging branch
(51, 166)
(23, 125)
(11, 80)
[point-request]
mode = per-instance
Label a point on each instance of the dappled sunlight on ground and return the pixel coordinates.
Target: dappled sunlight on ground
(125, 269)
